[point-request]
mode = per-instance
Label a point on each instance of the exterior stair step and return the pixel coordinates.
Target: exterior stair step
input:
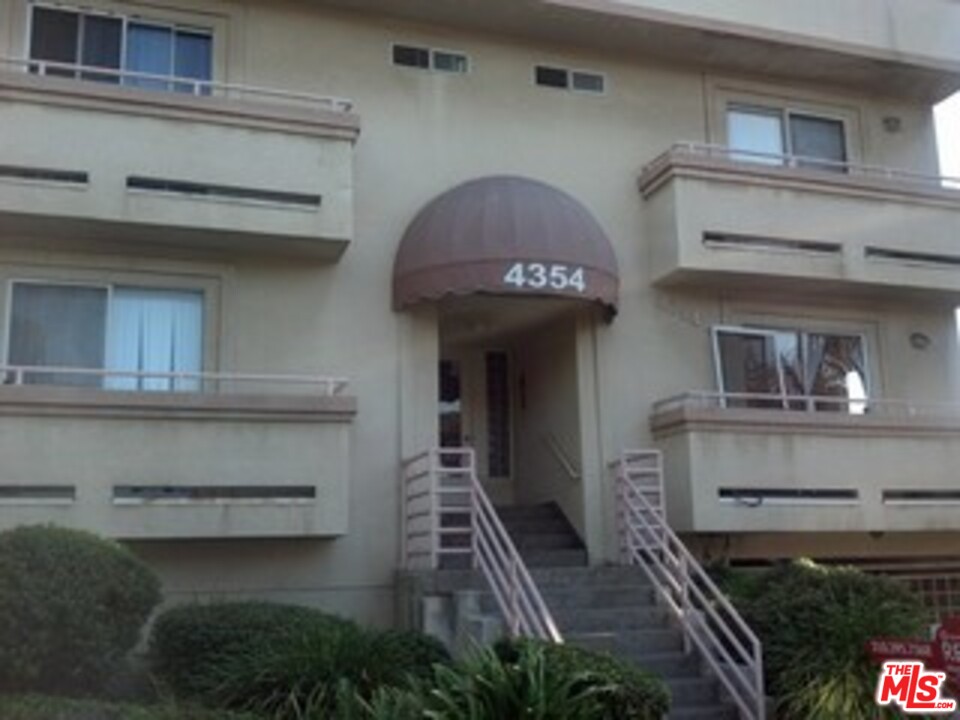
(610, 619)
(555, 558)
(687, 692)
(721, 711)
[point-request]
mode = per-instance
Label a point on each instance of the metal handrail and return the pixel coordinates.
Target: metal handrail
(21, 374)
(440, 488)
(196, 87)
(773, 160)
(561, 456)
(868, 406)
(709, 621)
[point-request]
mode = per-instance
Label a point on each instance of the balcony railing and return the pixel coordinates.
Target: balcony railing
(830, 405)
(759, 161)
(182, 85)
(153, 381)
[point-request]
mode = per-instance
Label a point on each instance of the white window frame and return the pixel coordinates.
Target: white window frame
(109, 287)
(785, 113)
(570, 71)
(770, 331)
(431, 54)
(125, 20)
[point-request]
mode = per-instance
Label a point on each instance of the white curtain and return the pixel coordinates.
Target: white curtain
(149, 50)
(155, 331)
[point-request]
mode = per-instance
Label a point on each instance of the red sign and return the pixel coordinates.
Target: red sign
(941, 653)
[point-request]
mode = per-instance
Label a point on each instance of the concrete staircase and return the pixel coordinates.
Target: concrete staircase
(610, 608)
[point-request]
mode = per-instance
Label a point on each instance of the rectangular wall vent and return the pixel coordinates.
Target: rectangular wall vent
(754, 242)
(200, 493)
(909, 256)
(223, 192)
(788, 496)
(921, 497)
(52, 175)
(37, 493)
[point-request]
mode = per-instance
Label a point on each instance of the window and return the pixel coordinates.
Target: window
(566, 79)
(498, 414)
(424, 58)
(785, 364)
(120, 328)
(121, 44)
(764, 135)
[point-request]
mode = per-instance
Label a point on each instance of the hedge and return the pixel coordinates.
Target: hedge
(71, 607)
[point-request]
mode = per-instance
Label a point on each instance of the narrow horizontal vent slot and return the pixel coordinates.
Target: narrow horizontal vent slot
(755, 242)
(214, 492)
(224, 192)
(921, 496)
(20, 172)
(908, 256)
(757, 496)
(38, 492)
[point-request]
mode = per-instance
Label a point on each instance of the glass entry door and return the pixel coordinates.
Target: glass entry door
(476, 408)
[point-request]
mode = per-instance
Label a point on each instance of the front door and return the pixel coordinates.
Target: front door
(476, 410)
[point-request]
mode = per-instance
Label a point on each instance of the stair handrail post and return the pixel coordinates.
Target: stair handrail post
(434, 459)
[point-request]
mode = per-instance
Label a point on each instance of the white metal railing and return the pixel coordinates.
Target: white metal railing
(446, 514)
(832, 404)
(709, 621)
(185, 85)
(773, 160)
(161, 381)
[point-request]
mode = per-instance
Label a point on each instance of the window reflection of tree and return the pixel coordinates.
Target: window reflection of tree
(834, 358)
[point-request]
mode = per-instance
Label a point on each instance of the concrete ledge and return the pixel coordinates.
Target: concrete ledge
(678, 163)
(91, 402)
(78, 94)
(782, 422)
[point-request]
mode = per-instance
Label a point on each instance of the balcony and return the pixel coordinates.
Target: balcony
(761, 463)
(209, 166)
(718, 216)
(235, 456)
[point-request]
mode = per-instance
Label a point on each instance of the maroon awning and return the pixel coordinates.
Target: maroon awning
(505, 236)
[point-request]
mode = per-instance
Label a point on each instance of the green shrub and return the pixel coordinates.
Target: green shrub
(190, 644)
(284, 661)
(71, 607)
(38, 707)
(521, 682)
(814, 623)
(629, 693)
(397, 654)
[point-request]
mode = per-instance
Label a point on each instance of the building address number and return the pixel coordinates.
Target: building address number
(538, 276)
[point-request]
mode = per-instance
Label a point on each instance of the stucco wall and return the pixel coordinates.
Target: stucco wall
(421, 134)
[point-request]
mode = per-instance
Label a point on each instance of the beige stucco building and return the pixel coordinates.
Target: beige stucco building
(271, 249)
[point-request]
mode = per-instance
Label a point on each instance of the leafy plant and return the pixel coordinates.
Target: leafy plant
(71, 608)
(629, 693)
(489, 687)
(814, 622)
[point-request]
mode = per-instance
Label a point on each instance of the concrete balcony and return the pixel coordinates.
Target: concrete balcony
(210, 166)
(741, 464)
(235, 457)
(715, 216)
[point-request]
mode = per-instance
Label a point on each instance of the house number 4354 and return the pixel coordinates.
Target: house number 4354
(538, 276)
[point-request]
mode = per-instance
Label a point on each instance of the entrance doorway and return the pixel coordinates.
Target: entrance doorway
(477, 395)
(509, 387)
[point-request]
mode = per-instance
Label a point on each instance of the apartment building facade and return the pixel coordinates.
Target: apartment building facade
(254, 255)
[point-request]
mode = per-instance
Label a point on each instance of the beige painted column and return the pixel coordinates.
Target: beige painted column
(592, 470)
(419, 391)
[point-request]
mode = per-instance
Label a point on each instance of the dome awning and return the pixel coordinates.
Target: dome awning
(505, 236)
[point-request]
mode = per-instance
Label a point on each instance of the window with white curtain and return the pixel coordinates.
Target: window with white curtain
(797, 370)
(153, 334)
(115, 42)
